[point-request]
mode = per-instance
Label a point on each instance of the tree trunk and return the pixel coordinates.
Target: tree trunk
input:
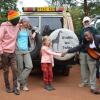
(85, 8)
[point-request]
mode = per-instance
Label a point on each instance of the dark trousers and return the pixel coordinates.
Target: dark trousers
(9, 60)
(47, 72)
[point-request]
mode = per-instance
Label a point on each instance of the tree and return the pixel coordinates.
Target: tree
(94, 8)
(85, 8)
(61, 2)
(6, 5)
(77, 16)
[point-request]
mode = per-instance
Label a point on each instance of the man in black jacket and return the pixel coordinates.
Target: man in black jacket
(93, 42)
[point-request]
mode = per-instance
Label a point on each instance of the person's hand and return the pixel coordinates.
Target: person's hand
(63, 54)
(33, 35)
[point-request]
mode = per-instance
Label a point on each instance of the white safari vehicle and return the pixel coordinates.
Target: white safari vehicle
(56, 23)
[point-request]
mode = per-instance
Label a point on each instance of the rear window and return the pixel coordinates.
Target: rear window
(49, 24)
(34, 21)
(46, 24)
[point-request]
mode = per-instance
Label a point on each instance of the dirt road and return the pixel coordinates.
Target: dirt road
(66, 89)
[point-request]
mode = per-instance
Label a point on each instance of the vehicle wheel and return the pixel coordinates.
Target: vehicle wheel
(62, 40)
(66, 71)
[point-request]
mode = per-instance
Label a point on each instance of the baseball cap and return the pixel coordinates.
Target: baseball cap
(86, 18)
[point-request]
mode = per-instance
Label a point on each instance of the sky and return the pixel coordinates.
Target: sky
(33, 3)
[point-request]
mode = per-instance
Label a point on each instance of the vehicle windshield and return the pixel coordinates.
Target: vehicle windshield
(46, 24)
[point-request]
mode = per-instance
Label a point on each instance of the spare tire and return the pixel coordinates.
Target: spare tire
(62, 40)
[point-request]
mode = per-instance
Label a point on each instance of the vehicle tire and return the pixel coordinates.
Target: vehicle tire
(66, 71)
(62, 67)
(62, 40)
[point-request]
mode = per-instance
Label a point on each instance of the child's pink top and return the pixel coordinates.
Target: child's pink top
(47, 55)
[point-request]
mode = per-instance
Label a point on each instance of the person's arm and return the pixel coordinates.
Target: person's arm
(2, 31)
(75, 49)
(49, 51)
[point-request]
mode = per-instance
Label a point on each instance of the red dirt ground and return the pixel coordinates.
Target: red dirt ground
(66, 88)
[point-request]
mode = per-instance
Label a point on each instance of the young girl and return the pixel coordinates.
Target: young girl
(47, 62)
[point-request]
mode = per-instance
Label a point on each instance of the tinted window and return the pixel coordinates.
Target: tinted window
(34, 21)
(49, 24)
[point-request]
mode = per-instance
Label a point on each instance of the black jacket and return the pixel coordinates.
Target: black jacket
(94, 32)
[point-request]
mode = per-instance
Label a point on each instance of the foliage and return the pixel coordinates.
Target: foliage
(94, 8)
(61, 2)
(6, 5)
(78, 12)
(77, 16)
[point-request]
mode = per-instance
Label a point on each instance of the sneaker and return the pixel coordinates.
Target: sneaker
(49, 87)
(25, 88)
(82, 85)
